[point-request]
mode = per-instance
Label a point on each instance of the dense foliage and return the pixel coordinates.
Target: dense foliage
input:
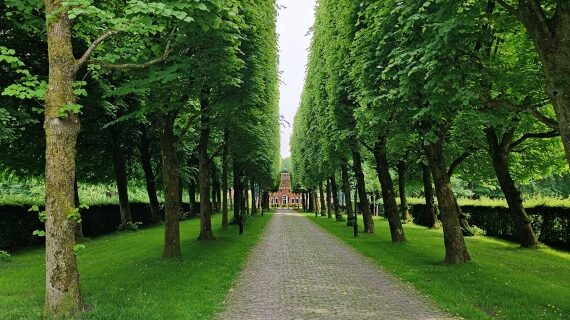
(457, 92)
(170, 95)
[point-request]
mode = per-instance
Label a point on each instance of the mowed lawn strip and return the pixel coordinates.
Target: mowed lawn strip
(123, 276)
(502, 282)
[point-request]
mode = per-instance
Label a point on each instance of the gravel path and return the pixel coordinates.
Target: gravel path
(298, 271)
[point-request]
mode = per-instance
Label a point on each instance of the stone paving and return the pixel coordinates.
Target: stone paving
(298, 271)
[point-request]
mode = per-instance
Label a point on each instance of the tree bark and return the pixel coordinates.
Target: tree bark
(361, 187)
(170, 176)
(428, 195)
(120, 169)
(62, 296)
(146, 163)
(335, 200)
(225, 152)
(499, 152)
(551, 37)
(404, 209)
(78, 226)
(329, 209)
(322, 203)
(237, 192)
(312, 207)
(346, 190)
(455, 248)
(192, 196)
(203, 172)
(304, 201)
(253, 199)
(388, 195)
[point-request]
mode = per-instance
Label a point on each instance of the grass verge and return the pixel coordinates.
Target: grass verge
(502, 282)
(123, 277)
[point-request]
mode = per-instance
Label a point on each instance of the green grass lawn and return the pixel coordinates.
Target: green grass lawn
(502, 282)
(123, 277)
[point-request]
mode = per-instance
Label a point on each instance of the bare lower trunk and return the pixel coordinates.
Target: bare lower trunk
(346, 191)
(304, 201)
(146, 164)
(404, 209)
(170, 176)
(120, 169)
(455, 248)
(390, 206)
(312, 207)
(328, 187)
(237, 193)
(225, 152)
(192, 197)
(499, 154)
(253, 199)
(361, 186)
(428, 195)
(335, 200)
(322, 199)
(204, 162)
(78, 226)
(62, 296)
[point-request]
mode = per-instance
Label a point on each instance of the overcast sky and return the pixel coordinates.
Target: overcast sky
(293, 24)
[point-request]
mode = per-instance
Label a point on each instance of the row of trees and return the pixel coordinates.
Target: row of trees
(127, 87)
(478, 89)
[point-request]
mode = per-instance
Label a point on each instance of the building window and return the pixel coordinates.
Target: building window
(285, 199)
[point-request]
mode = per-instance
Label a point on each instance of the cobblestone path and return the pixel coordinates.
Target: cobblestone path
(298, 271)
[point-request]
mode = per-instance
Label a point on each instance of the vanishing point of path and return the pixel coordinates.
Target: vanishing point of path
(298, 271)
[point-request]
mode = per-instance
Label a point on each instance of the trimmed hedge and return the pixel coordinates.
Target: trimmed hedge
(17, 224)
(551, 224)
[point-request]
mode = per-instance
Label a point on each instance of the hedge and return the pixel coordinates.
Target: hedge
(17, 224)
(551, 224)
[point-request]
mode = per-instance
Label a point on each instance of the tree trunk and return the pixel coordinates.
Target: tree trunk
(225, 152)
(329, 204)
(455, 248)
(499, 152)
(361, 187)
(203, 172)
(253, 199)
(311, 201)
(245, 195)
(322, 203)
(388, 195)
(192, 196)
(304, 201)
(78, 226)
(346, 190)
(404, 209)
(170, 173)
(335, 200)
(237, 192)
(551, 37)
(120, 169)
(428, 195)
(62, 296)
(215, 185)
(146, 163)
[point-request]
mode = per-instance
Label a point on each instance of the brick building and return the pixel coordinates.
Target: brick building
(284, 197)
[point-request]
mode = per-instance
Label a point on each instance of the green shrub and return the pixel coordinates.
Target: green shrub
(133, 226)
(475, 231)
(5, 256)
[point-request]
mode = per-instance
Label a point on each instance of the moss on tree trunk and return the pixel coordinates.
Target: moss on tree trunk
(62, 296)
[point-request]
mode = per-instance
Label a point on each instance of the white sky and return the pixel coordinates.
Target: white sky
(293, 24)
